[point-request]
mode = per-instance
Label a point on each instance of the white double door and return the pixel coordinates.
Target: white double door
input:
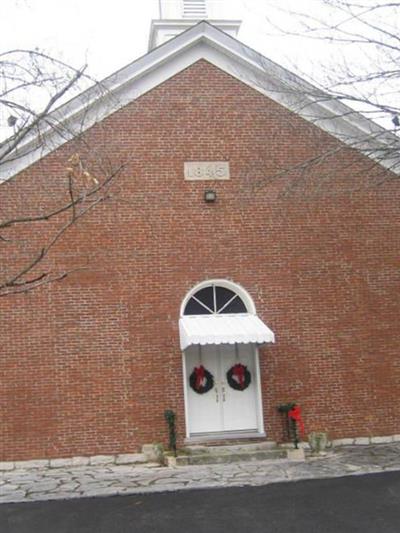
(222, 409)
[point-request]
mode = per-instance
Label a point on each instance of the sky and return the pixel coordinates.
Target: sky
(109, 34)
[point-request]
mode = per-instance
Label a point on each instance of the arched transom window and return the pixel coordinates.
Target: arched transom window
(214, 299)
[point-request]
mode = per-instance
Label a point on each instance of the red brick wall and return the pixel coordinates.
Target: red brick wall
(90, 364)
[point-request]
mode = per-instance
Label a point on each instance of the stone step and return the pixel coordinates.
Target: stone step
(226, 456)
(231, 448)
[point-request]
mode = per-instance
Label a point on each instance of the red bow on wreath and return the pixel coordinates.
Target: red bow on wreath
(238, 371)
(295, 414)
(200, 375)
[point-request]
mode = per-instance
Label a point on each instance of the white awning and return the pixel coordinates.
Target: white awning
(223, 329)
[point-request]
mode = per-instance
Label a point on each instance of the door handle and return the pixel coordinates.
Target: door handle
(216, 395)
(223, 393)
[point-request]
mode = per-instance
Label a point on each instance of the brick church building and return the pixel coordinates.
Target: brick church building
(244, 259)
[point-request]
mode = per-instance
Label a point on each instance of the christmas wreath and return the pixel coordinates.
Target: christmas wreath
(239, 378)
(201, 380)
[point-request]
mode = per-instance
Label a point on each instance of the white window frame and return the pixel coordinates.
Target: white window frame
(234, 287)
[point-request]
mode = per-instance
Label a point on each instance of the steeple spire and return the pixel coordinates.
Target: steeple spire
(195, 9)
(182, 9)
(177, 16)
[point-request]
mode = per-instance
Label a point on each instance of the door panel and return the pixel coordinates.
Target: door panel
(239, 406)
(222, 409)
(204, 409)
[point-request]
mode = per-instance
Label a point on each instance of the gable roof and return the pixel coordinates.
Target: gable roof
(203, 41)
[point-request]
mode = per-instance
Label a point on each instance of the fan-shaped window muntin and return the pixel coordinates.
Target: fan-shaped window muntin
(215, 299)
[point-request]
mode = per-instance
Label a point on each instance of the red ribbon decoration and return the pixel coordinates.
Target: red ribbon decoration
(295, 414)
(200, 375)
(238, 371)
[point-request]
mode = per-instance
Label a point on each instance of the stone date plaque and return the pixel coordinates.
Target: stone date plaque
(206, 170)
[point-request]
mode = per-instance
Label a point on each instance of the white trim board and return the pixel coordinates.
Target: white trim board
(202, 41)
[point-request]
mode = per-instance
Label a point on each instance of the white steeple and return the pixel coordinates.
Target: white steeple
(176, 16)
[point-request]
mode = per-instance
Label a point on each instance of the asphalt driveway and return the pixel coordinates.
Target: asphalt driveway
(367, 504)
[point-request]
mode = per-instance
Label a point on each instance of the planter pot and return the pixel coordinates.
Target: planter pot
(318, 441)
(154, 453)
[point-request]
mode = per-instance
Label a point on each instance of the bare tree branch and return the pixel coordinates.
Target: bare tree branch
(363, 83)
(32, 85)
(86, 202)
(11, 144)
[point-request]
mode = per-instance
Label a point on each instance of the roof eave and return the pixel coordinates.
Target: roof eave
(225, 52)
